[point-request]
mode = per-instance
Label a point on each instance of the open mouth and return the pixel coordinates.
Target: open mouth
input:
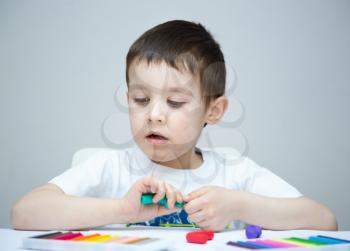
(155, 138)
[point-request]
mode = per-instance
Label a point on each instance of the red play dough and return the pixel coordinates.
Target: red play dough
(199, 237)
(209, 234)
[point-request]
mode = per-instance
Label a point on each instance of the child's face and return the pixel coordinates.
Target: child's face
(168, 102)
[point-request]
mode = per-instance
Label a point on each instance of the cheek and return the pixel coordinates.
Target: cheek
(136, 121)
(185, 125)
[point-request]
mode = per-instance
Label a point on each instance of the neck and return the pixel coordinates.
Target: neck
(189, 160)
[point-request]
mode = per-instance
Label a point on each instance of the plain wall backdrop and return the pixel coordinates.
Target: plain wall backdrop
(62, 76)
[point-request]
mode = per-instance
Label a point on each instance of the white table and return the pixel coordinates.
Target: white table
(12, 239)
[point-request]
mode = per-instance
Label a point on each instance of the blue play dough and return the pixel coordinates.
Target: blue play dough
(253, 231)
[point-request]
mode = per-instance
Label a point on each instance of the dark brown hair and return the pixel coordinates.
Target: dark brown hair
(183, 45)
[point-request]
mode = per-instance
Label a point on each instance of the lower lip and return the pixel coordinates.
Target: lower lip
(154, 141)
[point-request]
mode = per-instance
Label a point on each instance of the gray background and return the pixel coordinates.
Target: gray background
(61, 62)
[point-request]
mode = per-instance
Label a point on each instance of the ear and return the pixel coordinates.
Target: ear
(216, 110)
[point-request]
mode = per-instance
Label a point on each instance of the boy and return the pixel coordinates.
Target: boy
(176, 76)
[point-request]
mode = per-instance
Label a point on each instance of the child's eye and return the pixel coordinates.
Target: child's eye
(175, 104)
(141, 101)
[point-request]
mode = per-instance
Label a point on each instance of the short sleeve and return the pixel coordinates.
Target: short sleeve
(92, 177)
(259, 180)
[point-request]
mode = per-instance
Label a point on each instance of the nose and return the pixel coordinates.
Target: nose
(156, 113)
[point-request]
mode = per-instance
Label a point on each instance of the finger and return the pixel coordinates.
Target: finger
(195, 205)
(197, 217)
(210, 224)
(154, 187)
(153, 184)
(207, 227)
(179, 197)
(204, 224)
(171, 195)
(147, 184)
(160, 191)
(140, 187)
(147, 180)
(195, 194)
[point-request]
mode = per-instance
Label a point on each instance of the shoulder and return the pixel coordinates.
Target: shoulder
(237, 168)
(94, 172)
(94, 154)
(251, 177)
(231, 157)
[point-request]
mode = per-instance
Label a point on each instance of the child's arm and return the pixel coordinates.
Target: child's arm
(214, 207)
(49, 208)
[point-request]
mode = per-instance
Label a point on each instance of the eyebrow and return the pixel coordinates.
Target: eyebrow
(171, 89)
(182, 90)
(136, 86)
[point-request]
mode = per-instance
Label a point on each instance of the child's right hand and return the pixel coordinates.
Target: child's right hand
(137, 212)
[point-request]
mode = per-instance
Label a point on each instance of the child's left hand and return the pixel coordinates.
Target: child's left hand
(211, 207)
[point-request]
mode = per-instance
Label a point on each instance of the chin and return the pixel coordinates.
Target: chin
(158, 154)
(161, 159)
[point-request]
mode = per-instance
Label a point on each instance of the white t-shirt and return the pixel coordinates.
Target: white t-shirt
(110, 173)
